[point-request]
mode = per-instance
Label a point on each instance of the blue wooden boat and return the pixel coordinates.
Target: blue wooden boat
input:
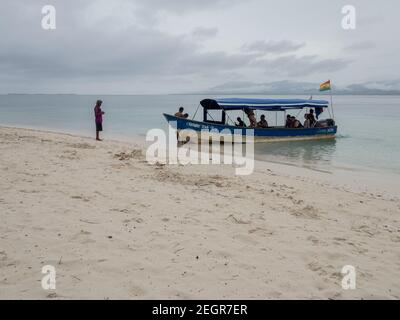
(324, 129)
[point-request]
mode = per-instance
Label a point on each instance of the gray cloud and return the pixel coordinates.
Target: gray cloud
(361, 46)
(292, 65)
(204, 33)
(100, 51)
(283, 46)
(148, 10)
(179, 6)
(80, 50)
(212, 63)
(116, 45)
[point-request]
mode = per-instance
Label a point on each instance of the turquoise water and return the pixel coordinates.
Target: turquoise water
(368, 137)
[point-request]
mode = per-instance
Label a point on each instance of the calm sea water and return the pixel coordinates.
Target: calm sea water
(368, 138)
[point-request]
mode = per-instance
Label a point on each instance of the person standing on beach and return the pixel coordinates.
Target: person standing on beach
(98, 114)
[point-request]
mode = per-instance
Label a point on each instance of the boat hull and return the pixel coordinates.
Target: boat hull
(210, 130)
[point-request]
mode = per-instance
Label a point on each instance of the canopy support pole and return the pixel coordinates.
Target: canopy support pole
(210, 116)
(333, 113)
(284, 118)
(196, 111)
(229, 118)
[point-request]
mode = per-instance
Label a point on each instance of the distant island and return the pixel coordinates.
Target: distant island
(287, 87)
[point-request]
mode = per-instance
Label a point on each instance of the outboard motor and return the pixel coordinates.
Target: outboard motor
(330, 122)
(325, 123)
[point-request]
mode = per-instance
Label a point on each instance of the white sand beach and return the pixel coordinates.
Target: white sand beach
(116, 227)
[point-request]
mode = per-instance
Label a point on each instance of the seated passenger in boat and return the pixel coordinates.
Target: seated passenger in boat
(307, 122)
(252, 117)
(296, 124)
(262, 123)
(311, 117)
(180, 113)
(288, 123)
(240, 123)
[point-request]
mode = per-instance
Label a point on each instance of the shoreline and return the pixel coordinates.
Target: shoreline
(361, 179)
(116, 227)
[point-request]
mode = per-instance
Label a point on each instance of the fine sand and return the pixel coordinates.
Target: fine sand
(115, 227)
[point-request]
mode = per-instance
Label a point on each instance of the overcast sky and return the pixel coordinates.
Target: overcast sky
(178, 46)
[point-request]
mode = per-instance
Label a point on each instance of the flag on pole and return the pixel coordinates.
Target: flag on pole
(325, 86)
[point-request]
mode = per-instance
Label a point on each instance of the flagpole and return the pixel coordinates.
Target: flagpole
(333, 113)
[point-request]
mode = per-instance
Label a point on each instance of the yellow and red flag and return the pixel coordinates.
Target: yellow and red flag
(325, 86)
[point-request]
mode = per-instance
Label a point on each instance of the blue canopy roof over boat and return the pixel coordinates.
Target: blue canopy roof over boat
(262, 104)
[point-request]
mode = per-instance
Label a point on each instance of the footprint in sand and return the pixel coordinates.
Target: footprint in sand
(395, 239)
(81, 234)
(81, 146)
(119, 210)
(137, 291)
(69, 155)
(29, 191)
(134, 154)
(308, 212)
(233, 219)
(316, 267)
(314, 240)
(80, 198)
(261, 232)
(365, 229)
(3, 256)
(246, 239)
